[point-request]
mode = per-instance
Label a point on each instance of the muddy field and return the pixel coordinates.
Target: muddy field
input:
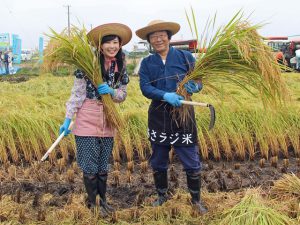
(31, 182)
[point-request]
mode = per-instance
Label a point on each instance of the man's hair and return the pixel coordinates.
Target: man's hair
(169, 33)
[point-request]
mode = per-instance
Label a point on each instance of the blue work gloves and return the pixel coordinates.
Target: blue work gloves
(65, 127)
(192, 87)
(173, 99)
(104, 89)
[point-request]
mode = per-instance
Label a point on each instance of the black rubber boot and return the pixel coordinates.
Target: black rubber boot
(161, 185)
(102, 184)
(91, 186)
(194, 184)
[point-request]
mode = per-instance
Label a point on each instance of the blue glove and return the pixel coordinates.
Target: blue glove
(193, 87)
(104, 89)
(173, 99)
(65, 127)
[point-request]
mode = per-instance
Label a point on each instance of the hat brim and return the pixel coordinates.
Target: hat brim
(171, 26)
(118, 29)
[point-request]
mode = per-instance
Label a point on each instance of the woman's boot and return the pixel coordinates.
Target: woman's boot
(102, 184)
(90, 183)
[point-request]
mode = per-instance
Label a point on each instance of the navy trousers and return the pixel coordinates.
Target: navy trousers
(6, 68)
(189, 157)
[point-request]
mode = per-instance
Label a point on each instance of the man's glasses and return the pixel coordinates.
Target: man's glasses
(156, 37)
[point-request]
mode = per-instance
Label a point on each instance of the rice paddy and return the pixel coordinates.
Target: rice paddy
(32, 111)
(249, 147)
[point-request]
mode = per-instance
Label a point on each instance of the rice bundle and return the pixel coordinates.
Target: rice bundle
(252, 211)
(288, 186)
(236, 54)
(77, 50)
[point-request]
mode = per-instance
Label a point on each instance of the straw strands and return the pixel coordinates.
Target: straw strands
(252, 210)
(289, 185)
(224, 209)
(235, 54)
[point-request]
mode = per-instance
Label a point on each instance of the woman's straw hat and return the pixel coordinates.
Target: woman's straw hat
(118, 29)
(157, 25)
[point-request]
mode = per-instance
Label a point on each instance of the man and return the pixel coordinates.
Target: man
(297, 55)
(293, 62)
(286, 55)
(10, 63)
(6, 62)
(160, 74)
(280, 58)
(1, 59)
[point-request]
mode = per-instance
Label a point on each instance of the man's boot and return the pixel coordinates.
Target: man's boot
(194, 183)
(90, 183)
(102, 183)
(161, 185)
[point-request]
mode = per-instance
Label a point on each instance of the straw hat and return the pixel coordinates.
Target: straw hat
(118, 29)
(157, 25)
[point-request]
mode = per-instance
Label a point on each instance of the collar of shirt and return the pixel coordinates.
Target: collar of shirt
(171, 49)
(107, 62)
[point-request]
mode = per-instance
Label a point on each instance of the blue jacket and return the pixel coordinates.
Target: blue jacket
(6, 57)
(157, 78)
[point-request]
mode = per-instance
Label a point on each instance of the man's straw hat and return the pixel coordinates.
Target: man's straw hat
(118, 29)
(157, 25)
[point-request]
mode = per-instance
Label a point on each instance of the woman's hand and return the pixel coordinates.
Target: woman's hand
(65, 127)
(104, 89)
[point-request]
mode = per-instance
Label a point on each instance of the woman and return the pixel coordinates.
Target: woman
(93, 136)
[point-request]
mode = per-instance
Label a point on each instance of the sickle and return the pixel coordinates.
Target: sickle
(211, 109)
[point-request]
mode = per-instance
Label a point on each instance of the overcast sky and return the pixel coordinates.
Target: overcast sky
(30, 19)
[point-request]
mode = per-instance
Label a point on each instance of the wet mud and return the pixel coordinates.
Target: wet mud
(215, 176)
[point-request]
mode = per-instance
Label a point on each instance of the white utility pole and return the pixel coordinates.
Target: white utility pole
(68, 6)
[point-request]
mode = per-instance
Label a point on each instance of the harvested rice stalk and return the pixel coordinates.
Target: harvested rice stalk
(77, 50)
(235, 54)
(288, 186)
(251, 210)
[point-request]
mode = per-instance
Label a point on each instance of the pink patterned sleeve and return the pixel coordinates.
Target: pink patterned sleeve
(78, 95)
(120, 94)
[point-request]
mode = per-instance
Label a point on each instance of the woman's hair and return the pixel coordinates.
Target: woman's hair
(119, 55)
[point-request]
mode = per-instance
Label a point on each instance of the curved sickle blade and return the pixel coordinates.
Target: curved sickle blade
(212, 116)
(202, 104)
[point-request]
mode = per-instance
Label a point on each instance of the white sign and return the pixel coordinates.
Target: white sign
(4, 40)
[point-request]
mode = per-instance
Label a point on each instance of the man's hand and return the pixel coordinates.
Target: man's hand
(193, 87)
(173, 99)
